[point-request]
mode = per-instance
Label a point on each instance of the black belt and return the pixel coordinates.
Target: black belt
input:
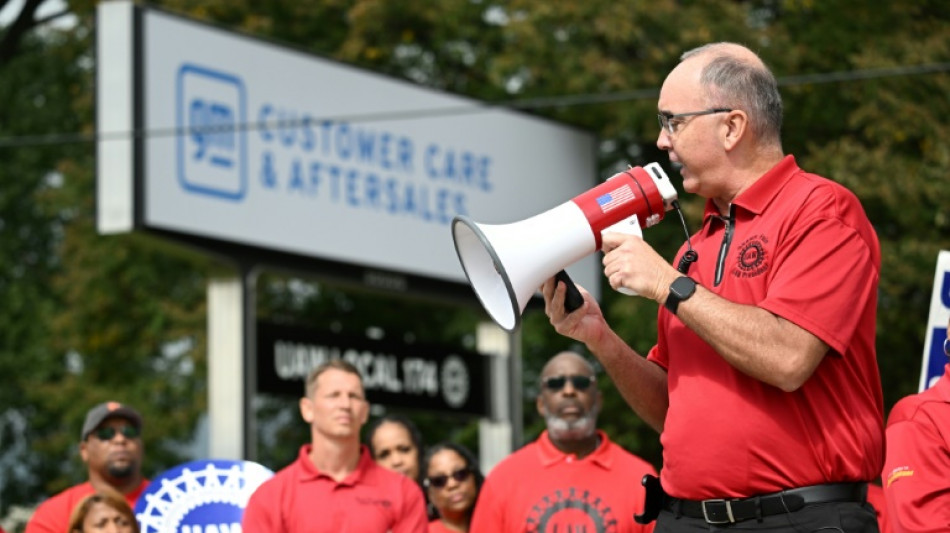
(721, 511)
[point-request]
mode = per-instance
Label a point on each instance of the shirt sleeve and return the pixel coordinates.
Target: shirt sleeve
(487, 516)
(49, 518)
(260, 517)
(915, 476)
(414, 518)
(823, 273)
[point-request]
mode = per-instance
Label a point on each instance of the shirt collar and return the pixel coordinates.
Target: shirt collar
(550, 455)
(309, 472)
(761, 193)
(943, 384)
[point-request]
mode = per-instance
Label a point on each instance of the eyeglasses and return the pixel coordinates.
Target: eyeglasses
(672, 122)
(946, 346)
(442, 480)
(108, 432)
(556, 383)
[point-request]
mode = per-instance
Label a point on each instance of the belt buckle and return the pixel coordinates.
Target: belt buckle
(730, 519)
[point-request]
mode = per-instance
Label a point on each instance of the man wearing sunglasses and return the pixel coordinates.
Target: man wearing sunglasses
(763, 382)
(111, 446)
(916, 472)
(572, 478)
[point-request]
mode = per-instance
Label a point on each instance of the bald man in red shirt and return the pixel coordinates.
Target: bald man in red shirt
(763, 381)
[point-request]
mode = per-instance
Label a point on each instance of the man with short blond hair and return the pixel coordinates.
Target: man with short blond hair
(334, 485)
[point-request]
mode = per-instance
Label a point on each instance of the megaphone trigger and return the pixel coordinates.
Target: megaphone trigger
(627, 226)
(573, 299)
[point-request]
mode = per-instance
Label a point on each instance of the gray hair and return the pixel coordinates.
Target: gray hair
(736, 78)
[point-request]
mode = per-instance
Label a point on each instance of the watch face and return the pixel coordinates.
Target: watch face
(683, 287)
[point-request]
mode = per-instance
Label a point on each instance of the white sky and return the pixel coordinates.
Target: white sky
(12, 9)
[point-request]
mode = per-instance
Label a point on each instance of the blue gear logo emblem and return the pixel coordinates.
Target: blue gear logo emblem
(199, 496)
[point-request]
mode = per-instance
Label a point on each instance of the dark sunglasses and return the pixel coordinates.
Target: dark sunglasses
(946, 346)
(556, 383)
(108, 432)
(442, 480)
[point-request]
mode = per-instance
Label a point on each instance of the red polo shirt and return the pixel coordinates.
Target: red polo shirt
(876, 499)
(52, 516)
(917, 468)
(539, 488)
(300, 499)
(435, 526)
(801, 247)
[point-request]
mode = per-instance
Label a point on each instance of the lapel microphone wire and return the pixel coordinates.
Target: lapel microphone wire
(690, 256)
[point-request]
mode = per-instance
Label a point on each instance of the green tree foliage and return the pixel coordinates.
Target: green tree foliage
(39, 86)
(90, 317)
(86, 318)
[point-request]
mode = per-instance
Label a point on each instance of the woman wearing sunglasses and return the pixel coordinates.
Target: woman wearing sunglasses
(452, 483)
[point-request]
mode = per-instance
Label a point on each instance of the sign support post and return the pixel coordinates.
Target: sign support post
(226, 418)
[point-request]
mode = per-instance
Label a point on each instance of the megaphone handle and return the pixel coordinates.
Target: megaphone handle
(573, 299)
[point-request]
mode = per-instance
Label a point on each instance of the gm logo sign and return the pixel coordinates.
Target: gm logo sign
(212, 145)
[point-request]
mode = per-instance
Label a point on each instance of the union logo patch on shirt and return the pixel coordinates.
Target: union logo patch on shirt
(571, 510)
(753, 257)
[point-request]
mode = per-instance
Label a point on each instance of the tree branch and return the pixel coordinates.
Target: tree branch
(25, 21)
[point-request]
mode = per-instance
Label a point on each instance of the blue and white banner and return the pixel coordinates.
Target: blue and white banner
(205, 496)
(934, 358)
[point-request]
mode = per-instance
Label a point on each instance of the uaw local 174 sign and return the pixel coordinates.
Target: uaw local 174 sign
(205, 496)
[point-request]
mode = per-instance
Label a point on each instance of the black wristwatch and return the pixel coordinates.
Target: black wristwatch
(680, 291)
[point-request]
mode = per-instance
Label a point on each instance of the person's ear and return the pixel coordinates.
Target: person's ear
(542, 410)
(364, 415)
(83, 451)
(737, 124)
(306, 409)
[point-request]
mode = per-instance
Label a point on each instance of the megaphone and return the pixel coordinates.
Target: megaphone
(507, 263)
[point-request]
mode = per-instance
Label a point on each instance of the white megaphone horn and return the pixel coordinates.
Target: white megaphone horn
(507, 263)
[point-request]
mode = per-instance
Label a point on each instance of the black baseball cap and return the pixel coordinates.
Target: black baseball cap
(105, 410)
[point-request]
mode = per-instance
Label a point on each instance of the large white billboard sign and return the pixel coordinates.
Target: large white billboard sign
(251, 143)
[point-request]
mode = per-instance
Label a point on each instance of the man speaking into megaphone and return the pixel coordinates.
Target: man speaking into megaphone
(763, 382)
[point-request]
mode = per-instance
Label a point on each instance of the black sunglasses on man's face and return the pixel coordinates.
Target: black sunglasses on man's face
(107, 433)
(556, 383)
